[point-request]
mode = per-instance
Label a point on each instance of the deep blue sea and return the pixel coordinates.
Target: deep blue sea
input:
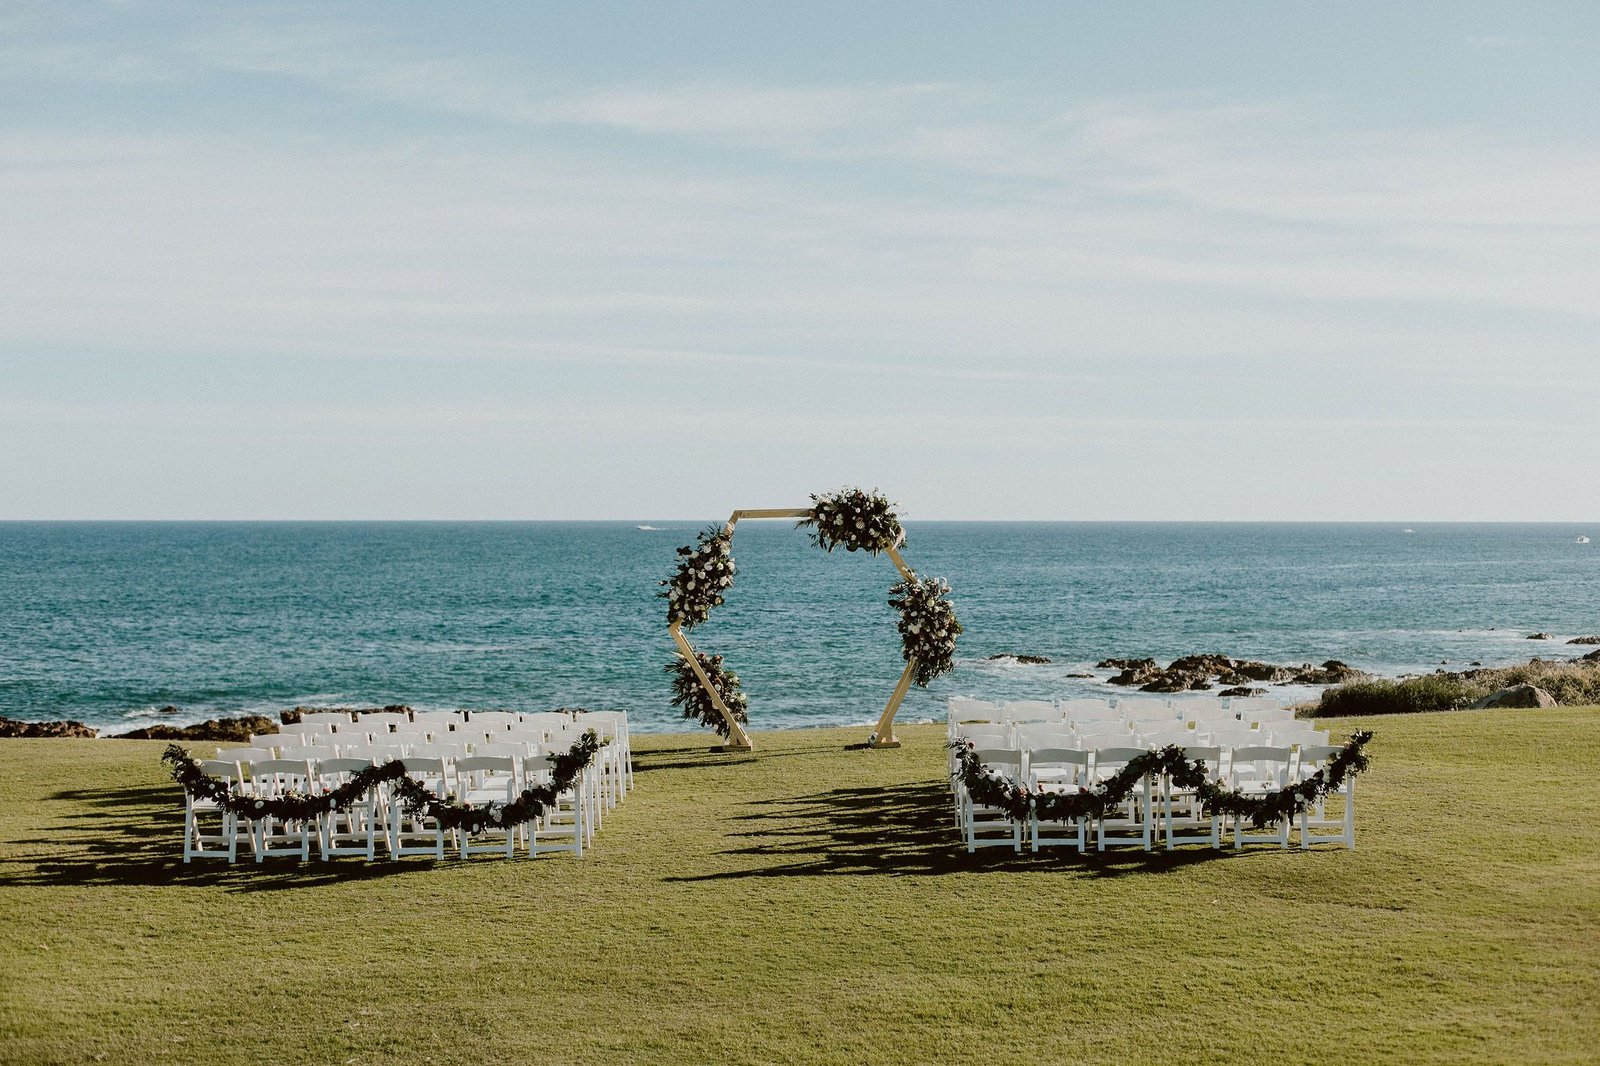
(105, 622)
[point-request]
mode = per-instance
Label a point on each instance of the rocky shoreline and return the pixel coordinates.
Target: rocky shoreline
(1218, 674)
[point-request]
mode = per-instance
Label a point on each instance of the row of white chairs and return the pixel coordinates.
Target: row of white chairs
(345, 732)
(478, 780)
(1157, 810)
(1210, 709)
(480, 757)
(1154, 735)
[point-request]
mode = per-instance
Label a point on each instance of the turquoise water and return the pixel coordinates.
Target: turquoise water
(107, 621)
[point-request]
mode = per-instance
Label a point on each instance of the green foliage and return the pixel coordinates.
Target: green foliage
(705, 572)
(1570, 683)
(695, 702)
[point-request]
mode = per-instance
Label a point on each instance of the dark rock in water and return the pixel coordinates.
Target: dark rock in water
(1518, 696)
(1475, 662)
(1177, 681)
(1539, 636)
(168, 709)
(1243, 690)
(1081, 675)
(226, 730)
(296, 714)
(1332, 672)
(10, 727)
(1206, 664)
(1584, 640)
(1025, 660)
(1592, 657)
(1123, 664)
(1255, 671)
(1137, 672)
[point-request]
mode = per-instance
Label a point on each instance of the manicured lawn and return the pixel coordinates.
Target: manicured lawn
(812, 904)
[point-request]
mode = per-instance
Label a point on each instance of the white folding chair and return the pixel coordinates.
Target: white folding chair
(1088, 710)
(496, 720)
(270, 778)
(1042, 735)
(1256, 771)
(354, 830)
(482, 780)
(332, 719)
(1057, 770)
(961, 711)
(564, 826)
(1182, 813)
(1133, 824)
(421, 834)
(985, 826)
(198, 843)
(1308, 761)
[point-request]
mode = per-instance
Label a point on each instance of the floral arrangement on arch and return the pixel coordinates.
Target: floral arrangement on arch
(928, 626)
(689, 694)
(854, 519)
(705, 572)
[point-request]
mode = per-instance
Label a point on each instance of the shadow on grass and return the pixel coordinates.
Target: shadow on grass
(134, 836)
(907, 830)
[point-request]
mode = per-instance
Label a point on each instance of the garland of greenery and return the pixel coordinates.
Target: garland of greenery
(854, 519)
(688, 693)
(928, 626)
(705, 569)
(990, 789)
(415, 800)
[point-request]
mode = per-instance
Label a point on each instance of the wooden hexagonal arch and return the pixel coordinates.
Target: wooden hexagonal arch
(738, 739)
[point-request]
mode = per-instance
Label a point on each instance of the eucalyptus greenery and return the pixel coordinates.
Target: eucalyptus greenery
(415, 800)
(928, 626)
(853, 519)
(991, 789)
(691, 696)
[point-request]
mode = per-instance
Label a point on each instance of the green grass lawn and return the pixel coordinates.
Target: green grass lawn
(812, 903)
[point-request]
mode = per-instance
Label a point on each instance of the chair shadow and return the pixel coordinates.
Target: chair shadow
(908, 830)
(134, 836)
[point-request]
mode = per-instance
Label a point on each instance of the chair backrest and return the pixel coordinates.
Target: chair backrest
(333, 718)
(339, 766)
(984, 733)
(1104, 738)
(501, 720)
(1000, 758)
(1073, 759)
(280, 773)
(1253, 704)
(1086, 708)
(307, 751)
(273, 740)
(1212, 757)
(1136, 710)
(1265, 760)
(1043, 735)
(244, 755)
(970, 710)
(504, 749)
(1162, 737)
(378, 753)
(221, 769)
(378, 721)
(477, 764)
(545, 720)
(423, 765)
(1318, 753)
(1198, 706)
(1030, 711)
(1296, 733)
(435, 717)
(1116, 756)
(1231, 736)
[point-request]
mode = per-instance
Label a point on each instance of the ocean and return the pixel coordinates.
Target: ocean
(106, 622)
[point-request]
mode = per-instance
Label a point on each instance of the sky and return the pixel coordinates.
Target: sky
(1220, 261)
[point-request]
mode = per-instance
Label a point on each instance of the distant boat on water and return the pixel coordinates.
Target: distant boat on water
(649, 529)
(1408, 531)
